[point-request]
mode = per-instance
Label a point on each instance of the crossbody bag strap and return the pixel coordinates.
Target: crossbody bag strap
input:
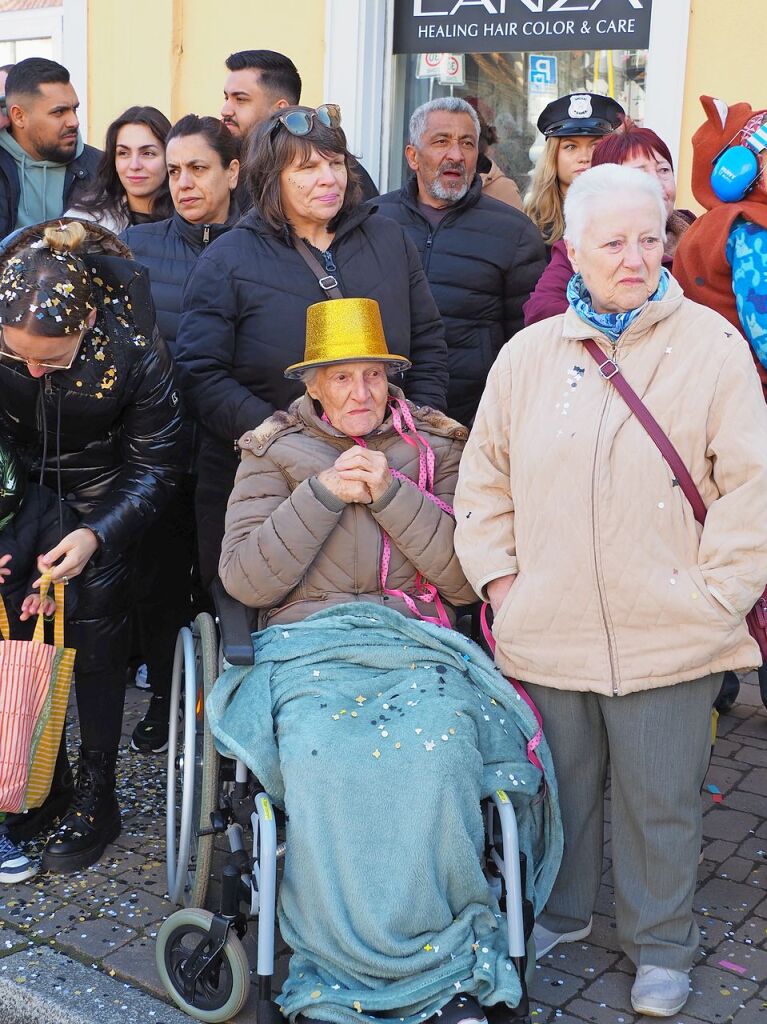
(611, 372)
(326, 281)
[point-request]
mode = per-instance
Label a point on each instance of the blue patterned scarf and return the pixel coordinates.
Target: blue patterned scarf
(611, 324)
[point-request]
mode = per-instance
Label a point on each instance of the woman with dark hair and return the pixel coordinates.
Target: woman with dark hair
(203, 166)
(630, 146)
(245, 302)
(90, 401)
(131, 185)
(202, 160)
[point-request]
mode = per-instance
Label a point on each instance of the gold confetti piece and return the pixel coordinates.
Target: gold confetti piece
(360, 699)
(357, 1005)
(316, 994)
(112, 972)
(397, 746)
(354, 714)
(342, 711)
(376, 753)
(451, 730)
(428, 947)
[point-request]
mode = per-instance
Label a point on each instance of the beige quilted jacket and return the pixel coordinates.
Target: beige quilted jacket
(618, 588)
(292, 548)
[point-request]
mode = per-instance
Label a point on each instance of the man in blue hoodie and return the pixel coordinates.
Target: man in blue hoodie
(44, 164)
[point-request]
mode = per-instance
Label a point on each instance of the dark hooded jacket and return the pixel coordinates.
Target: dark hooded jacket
(39, 523)
(244, 322)
(106, 433)
(481, 261)
(79, 177)
(169, 249)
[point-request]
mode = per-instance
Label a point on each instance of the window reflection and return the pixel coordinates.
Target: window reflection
(511, 90)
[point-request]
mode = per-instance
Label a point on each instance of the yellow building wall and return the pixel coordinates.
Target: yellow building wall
(170, 53)
(725, 58)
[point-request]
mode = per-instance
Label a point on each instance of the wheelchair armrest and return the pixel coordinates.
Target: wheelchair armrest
(236, 625)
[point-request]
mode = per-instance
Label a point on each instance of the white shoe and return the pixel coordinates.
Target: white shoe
(15, 866)
(546, 940)
(660, 991)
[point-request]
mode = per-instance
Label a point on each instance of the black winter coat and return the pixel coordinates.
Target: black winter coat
(79, 177)
(169, 249)
(40, 522)
(482, 261)
(244, 322)
(107, 430)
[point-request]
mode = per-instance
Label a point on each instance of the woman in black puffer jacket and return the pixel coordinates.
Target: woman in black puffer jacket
(203, 167)
(89, 397)
(244, 316)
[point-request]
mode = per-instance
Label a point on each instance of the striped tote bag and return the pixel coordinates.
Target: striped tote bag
(35, 678)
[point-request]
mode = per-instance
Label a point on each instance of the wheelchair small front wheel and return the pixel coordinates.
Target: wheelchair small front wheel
(223, 988)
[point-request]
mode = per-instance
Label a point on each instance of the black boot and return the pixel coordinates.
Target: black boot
(763, 683)
(728, 693)
(93, 820)
(23, 827)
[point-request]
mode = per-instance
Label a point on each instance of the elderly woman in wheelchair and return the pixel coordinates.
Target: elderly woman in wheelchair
(376, 730)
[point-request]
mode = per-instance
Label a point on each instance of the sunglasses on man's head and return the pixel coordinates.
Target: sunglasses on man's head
(65, 364)
(301, 122)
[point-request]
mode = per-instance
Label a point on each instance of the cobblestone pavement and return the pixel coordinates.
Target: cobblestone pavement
(107, 917)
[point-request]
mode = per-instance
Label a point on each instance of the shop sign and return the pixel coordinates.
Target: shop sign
(452, 71)
(482, 26)
(429, 65)
(542, 74)
(449, 68)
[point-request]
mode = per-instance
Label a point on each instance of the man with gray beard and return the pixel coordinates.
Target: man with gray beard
(482, 258)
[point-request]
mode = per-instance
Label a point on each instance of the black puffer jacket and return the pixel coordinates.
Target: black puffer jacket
(108, 429)
(244, 322)
(78, 178)
(482, 262)
(169, 249)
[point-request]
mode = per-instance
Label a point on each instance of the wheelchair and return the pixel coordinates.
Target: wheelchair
(224, 840)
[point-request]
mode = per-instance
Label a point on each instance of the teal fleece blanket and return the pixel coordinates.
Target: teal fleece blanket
(379, 735)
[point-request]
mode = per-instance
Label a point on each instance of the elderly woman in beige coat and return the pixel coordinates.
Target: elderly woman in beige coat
(609, 599)
(305, 519)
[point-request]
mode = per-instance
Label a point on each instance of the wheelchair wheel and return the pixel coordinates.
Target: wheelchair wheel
(223, 988)
(193, 764)
(529, 962)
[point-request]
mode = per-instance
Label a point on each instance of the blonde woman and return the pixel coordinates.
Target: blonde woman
(571, 125)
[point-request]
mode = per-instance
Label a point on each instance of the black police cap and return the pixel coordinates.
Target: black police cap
(580, 113)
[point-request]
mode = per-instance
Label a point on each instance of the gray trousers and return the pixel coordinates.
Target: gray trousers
(658, 746)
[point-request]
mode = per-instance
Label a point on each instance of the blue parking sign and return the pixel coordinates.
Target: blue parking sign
(542, 73)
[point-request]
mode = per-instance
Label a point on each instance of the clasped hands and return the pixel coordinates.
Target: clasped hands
(358, 475)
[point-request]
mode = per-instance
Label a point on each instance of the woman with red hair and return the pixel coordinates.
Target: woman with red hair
(633, 147)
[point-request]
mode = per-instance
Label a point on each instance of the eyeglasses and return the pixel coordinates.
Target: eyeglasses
(5, 353)
(301, 122)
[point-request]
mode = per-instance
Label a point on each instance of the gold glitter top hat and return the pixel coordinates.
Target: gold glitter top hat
(344, 331)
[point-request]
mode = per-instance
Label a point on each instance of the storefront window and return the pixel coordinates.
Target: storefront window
(510, 90)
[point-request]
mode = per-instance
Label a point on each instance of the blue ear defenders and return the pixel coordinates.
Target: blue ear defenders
(736, 168)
